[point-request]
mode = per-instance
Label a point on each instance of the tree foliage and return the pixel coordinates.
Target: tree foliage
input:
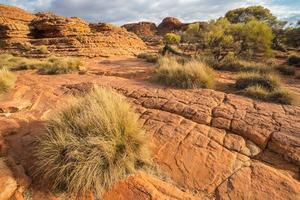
(172, 38)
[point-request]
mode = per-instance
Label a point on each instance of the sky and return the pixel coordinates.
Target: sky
(127, 11)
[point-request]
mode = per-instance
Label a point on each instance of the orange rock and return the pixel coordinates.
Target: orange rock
(8, 184)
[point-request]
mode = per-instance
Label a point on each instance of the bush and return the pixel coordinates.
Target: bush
(286, 70)
(237, 65)
(172, 38)
(149, 57)
(266, 87)
(192, 74)
(42, 49)
(90, 144)
(7, 80)
(57, 65)
(268, 81)
(294, 60)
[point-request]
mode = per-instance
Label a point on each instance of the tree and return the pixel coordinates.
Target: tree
(244, 15)
(255, 37)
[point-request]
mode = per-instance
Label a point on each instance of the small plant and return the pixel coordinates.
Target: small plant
(90, 144)
(26, 46)
(172, 38)
(149, 57)
(56, 65)
(286, 70)
(192, 74)
(42, 49)
(267, 87)
(294, 60)
(7, 80)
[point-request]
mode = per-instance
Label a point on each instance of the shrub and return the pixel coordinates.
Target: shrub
(236, 65)
(266, 87)
(42, 49)
(57, 65)
(149, 57)
(192, 74)
(90, 143)
(172, 38)
(286, 70)
(268, 81)
(294, 60)
(7, 80)
(297, 75)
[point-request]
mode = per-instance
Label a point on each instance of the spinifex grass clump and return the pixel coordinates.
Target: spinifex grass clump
(58, 65)
(91, 143)
(7, 80)
(266, 87)
(192, 74)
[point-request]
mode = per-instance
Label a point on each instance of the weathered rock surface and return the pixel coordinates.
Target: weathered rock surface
(142, 29)
(63, 36)
(48, 25)
(220, 146)
(8, 184)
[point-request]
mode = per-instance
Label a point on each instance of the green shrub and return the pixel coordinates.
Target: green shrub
(149, 57)
(267, 87)
(268, 81)
(89, 144)
(294, 60)
(57, 65)
(172, 38)
(286, 70)
(236, 65)
(7, 80)
(192, 74)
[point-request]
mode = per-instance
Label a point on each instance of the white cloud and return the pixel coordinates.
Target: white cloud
(123, 11)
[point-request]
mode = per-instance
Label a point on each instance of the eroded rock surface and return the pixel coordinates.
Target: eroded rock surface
(210, 144)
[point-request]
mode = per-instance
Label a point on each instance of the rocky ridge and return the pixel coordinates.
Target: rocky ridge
(61, 35)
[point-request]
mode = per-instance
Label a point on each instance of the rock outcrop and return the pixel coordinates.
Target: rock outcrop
(220, 146)
(48, 25)
(169, 24)
(64, 36)
(142, 29)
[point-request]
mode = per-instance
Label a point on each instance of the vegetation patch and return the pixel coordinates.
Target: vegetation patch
(57, 65)
(7, 80)
(286, 70)
(52, 65)
(191, 74)
(294, 60)
(267, 87)
(149, 57)
(90, 144)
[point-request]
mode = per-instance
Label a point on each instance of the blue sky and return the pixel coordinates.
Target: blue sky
(124, 11)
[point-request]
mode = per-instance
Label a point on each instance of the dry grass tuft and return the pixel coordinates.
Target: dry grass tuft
(191, 74)
(57, 65)
(294, 60)
(90, 144)
(149, 57)
(267, 87)
(7, 80)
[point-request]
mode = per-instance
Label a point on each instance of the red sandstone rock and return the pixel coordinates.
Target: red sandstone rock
(169, 24)
(142, 29)
(8, 184)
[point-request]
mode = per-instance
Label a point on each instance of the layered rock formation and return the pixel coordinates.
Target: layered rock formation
(14, 25)
(66, 36)
(142, 29)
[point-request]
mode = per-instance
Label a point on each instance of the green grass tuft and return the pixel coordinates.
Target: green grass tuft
(90, 143)
(57, 65)
(192, 74)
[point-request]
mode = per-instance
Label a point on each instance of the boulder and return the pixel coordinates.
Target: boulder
(169, 24)
(142, 29)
